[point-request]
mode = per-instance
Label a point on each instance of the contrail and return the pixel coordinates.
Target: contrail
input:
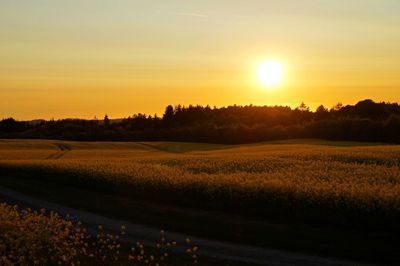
(188, 14)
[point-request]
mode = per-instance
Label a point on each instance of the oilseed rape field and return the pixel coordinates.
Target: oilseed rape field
(29, 237)
(341, 183)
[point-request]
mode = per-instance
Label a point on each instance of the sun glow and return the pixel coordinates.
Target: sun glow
(270, 73)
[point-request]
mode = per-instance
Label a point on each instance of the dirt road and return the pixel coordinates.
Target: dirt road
(210, 248)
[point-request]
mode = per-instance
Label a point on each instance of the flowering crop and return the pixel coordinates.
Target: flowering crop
(30, 237)
(290, 181)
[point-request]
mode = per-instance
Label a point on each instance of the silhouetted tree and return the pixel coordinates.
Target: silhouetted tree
(321, 112)
(303, 107)
(337, 107)
(168, 115)
(106, 121)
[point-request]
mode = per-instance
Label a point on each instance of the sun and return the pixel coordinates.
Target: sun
(270, 73)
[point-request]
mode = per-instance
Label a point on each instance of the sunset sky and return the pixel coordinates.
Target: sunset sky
(75, 58)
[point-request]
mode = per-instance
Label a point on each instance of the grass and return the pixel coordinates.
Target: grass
(181, 147)
(327, 142)
(306, 186)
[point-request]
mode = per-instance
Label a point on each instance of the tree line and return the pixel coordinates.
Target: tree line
(364, 121)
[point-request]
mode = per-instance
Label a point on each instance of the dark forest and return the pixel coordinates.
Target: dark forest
(365, 121)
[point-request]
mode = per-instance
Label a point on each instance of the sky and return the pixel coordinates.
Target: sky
(75, 58)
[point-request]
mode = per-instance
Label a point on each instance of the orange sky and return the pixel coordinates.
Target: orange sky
(75, 58)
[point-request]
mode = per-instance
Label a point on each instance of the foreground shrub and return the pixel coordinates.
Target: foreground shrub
(30, 237)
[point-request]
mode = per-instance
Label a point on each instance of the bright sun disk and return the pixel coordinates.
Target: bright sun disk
(270, 73)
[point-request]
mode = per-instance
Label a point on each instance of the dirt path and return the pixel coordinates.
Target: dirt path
(209, 248)
(63, 149)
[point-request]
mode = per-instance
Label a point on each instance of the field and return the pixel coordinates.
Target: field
(260, 180)
(341, 184)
